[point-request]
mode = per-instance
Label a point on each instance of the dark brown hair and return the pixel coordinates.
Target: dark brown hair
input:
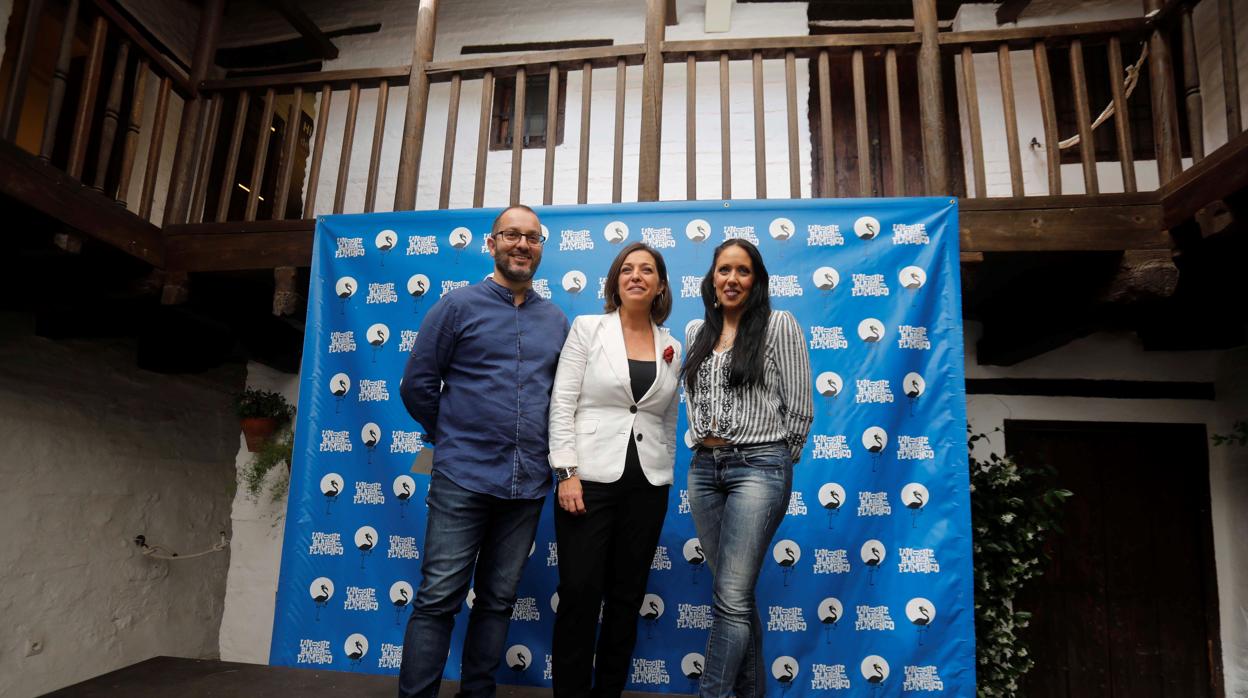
(662, 305)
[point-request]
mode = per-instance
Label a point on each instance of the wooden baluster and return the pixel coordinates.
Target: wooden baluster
(86, 99)
(1122, 121)
(517, 134)
(552, 119)
(691, 128)
(825, 127)
(133, 125)
(290, 141)
(112, 115)
(973, 124)
(725, 133)
(1048, 114)
(256, 181)
(483, 138)
(379, 135)
(790, 84)
(190, 130)
(448, 152)
(1083, 117)
(21, 70)
(231, 160)
(931, 98)
(1164, 105)
(1230, 68)
(154, 147)
(60, 76)
(1191, 86)
(417, 107)
(318, 152)
(617, 170)
(895, 157)
(582, 180)
(860, 125)
(348, 140)
(200, 191)
(760, 131)
(1006, 71)
(649, 147)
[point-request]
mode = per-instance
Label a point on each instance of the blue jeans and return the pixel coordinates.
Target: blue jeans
(738, 495)
(464, 528)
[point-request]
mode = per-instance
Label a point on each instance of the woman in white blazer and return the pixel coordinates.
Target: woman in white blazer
(612, 447)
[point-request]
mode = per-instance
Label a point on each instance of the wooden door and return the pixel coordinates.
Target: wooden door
(1128, 604)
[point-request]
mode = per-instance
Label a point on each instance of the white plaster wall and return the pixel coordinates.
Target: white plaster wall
(258, 524)
(1027, 98)
(98, 451)
(1119, 356)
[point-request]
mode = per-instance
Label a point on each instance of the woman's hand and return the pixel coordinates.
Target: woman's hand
(569, 494)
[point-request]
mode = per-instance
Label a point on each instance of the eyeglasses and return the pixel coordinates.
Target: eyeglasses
(513, 236)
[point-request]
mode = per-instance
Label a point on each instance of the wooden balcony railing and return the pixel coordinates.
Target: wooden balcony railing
(917, 152)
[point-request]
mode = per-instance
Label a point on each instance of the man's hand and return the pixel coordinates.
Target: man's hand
(569, 494)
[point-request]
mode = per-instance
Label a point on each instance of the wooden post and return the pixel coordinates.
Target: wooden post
(931, 98)
(17, 84)
(1164, 105)
(86, 99)
(1191, 87)
(651, 102)
(60, 76)
(1230, 72)
(417, 107)
(179, 198)
(112, 115)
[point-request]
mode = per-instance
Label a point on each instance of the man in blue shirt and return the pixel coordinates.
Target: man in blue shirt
(479, 381)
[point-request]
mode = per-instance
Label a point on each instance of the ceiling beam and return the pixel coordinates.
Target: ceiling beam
(316, 39)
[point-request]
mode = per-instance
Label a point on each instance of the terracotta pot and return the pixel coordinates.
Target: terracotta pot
(258, 430)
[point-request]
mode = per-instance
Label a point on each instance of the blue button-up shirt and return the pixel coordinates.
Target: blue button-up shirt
(479, 381)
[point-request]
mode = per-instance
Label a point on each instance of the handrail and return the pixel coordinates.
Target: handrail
(566, 59)
(179, 78)
(777, 46)
(1024, 37)
(395, 75)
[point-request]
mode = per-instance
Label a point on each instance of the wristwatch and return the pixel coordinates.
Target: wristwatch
(562, 474)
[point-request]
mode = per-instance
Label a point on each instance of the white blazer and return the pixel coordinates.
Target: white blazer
(592, 410)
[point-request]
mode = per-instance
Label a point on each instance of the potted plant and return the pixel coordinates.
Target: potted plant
(271, 454)
(261, 413)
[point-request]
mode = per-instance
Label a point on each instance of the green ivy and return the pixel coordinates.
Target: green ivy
(275, 452)
(262, 403)
(1013, 510)
(1237, 437)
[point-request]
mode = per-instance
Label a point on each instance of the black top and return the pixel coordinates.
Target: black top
(641, 375)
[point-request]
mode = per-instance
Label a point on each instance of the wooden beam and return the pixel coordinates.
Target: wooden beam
(670, 18)
(931, 99)
(417, 107)
(180, 178)
(651, 104)
(312, 34)
(1009, 11)
(37, 184)
(1219, 175)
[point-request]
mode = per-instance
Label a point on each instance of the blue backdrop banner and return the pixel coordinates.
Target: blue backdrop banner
(868, 587)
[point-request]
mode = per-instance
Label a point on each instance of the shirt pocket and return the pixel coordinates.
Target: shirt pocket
(587, 426)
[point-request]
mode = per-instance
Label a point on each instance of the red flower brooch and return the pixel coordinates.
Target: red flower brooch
(668, 353)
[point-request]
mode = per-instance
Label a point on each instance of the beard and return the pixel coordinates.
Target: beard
(520, 276)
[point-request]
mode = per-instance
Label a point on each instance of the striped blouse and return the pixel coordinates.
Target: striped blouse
(779, 409)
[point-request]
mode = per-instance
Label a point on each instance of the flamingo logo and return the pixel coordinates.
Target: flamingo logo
(875, 440)
(321, 590)
(871, 330)
(829, 384)
(786, 553)
(921, 613)
(365, 541)
(872, 553)
(418, 285)
(339, 386)
(912, 277)
(404, 487)
(692, 552)
(356, 647)
(781, 229)
(698, 230)
(460, 238)
(785, 669)
(370, 434)
(616, 232)
(331, 487)
(826, 278)
(400, 597)
(867, 228)
(574, 282)
(692, 666)
(832, 498)
(830, 612)
(915, 497)
(345, 288)
(652, 610)
(554, 602)
(875, 670)
(914, 386)
(377, 335)
(519, 658)
(385, 242)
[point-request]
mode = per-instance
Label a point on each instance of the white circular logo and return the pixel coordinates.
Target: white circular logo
(370, 434)
(872, 553)
(867, 228)
(692, 551)
(875, 669)
(874, 439)
(785, 669)
(616, 232)
(829, 384)
(691, 666)
(365, 537)
(340, 384)
(914, 496)
(831, 495)
(331, 485)
(400, 593)
(404, 487)
(786, 553)
(698, 230)
(912, 277)
(321, 589)
(519, 658)
(920, 611)
(386, 240)
(378, 334)
(346, 287)
(781, 229)
(460, 237)
(914, 385)
(418, 285)
(826, 278)
(356, 646)
(574, 282)
(651, 607)
(871, 330)
(830, 610)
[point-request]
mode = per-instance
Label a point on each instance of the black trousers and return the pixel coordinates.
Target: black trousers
(604, 556)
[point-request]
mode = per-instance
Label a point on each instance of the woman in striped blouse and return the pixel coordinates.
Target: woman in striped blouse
(748, 389)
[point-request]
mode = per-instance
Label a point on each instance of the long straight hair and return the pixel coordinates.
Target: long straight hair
(746, 365)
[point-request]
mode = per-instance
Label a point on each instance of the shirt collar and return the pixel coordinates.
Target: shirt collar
(505, 293)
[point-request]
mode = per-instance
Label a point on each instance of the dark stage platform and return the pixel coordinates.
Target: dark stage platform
(200, 678)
